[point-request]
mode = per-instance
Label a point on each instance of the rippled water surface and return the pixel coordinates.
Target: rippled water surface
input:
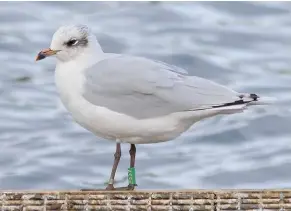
(244, 45)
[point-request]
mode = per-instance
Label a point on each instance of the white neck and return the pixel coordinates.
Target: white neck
(69, 75)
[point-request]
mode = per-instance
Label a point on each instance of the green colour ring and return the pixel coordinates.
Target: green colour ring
(131, 176)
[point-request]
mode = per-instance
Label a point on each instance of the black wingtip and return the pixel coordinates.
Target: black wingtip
(238, 102)
(254, 96)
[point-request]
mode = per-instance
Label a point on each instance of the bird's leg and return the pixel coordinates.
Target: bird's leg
(117, 156)
(131, 170)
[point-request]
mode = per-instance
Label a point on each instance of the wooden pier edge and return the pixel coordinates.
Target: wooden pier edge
(158, 200)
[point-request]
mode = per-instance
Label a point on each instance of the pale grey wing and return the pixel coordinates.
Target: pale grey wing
(143, 88)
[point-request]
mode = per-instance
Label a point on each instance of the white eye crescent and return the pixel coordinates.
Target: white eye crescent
(72, 42)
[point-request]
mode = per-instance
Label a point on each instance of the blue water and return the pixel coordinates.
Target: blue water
(244, 45)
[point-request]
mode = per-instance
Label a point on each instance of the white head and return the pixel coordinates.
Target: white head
(70, 42)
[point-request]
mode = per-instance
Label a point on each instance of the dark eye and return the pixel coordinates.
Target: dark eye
(72, 42)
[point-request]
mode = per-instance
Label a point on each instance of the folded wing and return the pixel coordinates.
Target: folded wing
(144, 88)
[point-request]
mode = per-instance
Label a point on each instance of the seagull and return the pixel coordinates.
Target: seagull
(131, 99)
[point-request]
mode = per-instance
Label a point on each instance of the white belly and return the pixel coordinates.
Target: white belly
(115, 126)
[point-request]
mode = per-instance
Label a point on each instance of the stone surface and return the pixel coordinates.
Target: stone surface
(190, 200)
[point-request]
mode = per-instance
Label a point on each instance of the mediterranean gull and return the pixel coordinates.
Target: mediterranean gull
(129, 99)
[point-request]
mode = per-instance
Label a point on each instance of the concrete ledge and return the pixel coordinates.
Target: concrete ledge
(189, 200)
